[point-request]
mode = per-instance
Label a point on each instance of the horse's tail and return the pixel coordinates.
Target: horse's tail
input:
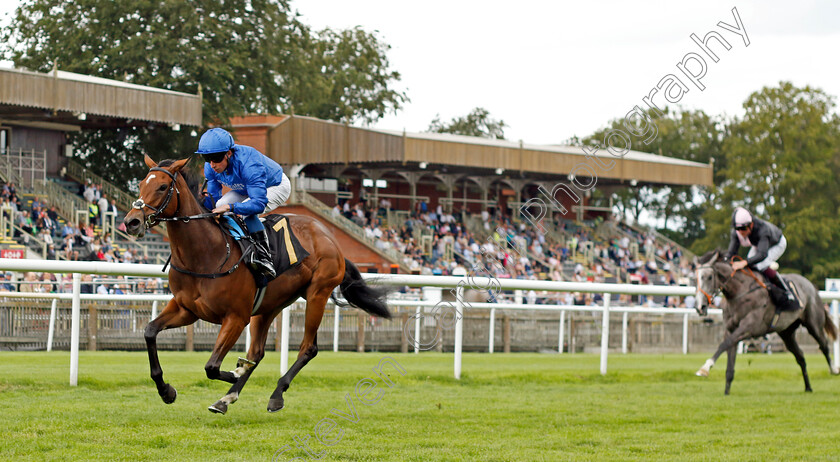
(361, 295)
(829, 327)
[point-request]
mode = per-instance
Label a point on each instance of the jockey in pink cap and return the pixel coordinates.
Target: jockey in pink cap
(767, 244)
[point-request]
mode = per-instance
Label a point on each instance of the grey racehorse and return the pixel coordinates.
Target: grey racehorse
(748, 312)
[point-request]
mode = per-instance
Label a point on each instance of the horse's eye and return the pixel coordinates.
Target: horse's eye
(162, 188)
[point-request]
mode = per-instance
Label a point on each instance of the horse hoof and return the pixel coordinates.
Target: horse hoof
(169, 394)
(219, 407)
(275, 405)
(702, 373)
(835, 371)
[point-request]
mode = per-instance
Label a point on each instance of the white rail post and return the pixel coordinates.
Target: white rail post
(284, 340)
(459, 322)
(562, 332)
(417, 315)
(247, 338)
(51, 333)
(491, 345)
(76, 308)
(154, 310)
(336, 319)
(685, 334)
(624, 333)
(835, 309)
(605, 333)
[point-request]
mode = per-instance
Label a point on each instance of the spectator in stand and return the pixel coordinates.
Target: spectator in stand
(28, 284)
(102, 204)
(5, 282)
(89, 194)
(112, 207)
(93, 212)
(67, 230)
(51, 255)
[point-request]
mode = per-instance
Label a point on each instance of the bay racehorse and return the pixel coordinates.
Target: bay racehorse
(209, 283)
(748, 312)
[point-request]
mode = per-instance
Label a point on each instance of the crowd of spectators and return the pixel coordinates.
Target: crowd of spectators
(431, 240)
(436, 242)
(71, 241)
(45, 282)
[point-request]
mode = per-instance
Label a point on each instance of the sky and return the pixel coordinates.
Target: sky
(553, 70)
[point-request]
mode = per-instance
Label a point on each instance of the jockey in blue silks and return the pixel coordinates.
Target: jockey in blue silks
(257, 185)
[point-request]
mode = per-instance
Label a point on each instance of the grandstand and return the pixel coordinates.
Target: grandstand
(398, 202)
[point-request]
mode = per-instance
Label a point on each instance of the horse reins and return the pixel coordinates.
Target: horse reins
(153, 219)
(747, 270)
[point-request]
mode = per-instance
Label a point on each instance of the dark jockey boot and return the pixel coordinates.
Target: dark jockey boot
(784, 298)
(261, 256)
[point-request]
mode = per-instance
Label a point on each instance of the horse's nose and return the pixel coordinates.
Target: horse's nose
(133, 225)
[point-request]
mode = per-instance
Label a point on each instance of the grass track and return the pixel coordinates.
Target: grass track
(525, 407)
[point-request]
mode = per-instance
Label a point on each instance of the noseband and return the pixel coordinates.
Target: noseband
(153, 218)
(710, 298)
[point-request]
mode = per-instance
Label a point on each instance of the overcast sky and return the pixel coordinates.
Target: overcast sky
(551, 70)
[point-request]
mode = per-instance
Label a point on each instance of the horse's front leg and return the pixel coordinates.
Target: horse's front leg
(731, 354)
(172, 316)
(740, 333)
(229, 333)
(245, 367)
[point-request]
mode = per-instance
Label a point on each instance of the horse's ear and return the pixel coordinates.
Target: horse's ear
(149, 162)
(715, 256)
(178, 165)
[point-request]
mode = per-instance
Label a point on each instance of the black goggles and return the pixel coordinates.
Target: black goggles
(742, 227)
(214, 157)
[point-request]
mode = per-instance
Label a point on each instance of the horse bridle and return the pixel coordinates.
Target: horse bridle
(153, 219)
(710, 298)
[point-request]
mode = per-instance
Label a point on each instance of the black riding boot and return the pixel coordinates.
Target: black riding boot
(261, 257)
(785, 299)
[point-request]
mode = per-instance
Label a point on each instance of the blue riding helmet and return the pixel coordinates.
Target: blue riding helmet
(215, 140)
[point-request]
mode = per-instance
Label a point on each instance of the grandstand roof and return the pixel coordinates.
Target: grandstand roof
(306, 140)
(62, 97)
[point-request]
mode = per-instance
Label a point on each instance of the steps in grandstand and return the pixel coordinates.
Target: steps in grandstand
(351, 229)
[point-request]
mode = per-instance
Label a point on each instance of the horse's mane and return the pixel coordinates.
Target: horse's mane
(708, 256)
(189, 178)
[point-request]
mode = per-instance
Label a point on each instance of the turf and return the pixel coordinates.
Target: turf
(525, 407)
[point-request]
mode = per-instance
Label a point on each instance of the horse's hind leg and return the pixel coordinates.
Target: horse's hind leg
(172, 316)
(308, 347)
(244, 369)
(815, 328)
(788, 336)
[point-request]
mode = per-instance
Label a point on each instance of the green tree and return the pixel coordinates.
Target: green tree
(343, 76)
(247, 56)
(477, 123)
(688, 135)
(782, 158)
